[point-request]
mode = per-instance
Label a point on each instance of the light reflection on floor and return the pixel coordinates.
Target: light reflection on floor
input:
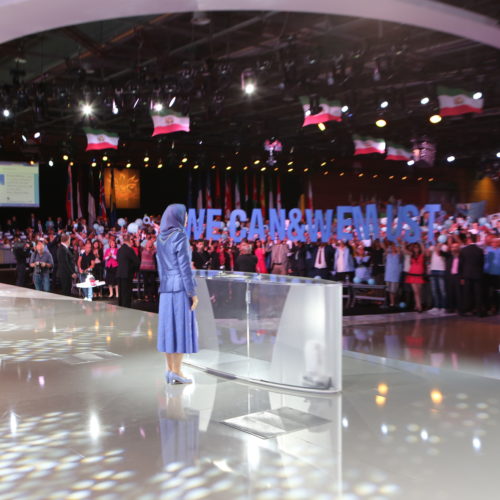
(84, 413)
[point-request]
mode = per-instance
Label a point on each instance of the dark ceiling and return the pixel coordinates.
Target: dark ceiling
(46, 77)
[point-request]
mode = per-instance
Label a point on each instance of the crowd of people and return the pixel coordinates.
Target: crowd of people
(457, 270)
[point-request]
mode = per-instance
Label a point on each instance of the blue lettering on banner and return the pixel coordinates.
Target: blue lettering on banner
(366, 225)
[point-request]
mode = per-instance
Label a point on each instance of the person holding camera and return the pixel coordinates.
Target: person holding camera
(41, 261)
(21, 251)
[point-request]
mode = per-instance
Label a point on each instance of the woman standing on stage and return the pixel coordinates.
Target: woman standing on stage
(177, 328)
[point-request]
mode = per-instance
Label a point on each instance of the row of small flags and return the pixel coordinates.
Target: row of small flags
(253, 195)
(452, 102)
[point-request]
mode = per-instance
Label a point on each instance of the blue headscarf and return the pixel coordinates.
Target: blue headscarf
(173, 218)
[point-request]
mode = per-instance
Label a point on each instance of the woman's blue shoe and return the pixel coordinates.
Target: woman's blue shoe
(180, 380)
(168, 377)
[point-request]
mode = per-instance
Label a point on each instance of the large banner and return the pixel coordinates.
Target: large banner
(127, 187)
(314, 225)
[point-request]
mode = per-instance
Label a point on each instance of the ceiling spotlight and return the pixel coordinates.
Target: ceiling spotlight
(290, 170)
(321, 126)
(196, 167)
(158, 106)
(128, 165)
(172, 102)
(384, 104)
(71, 163)
(290, 163)
(245, 167)
(424, 101)
(435, 119)
(498, 154)
(146, 159)
(248, 81)
(410, 162)
(381, 123)
(114, 108)
(104, 158)
(450, 159)
(94, 164)
(263, 169)
(160, 165)
(6, 113)
(213, 167)
(345, 109)
(184, 160)
(477, 95)
(229, 167)
(37, 135)
(51, 162)
(306, 170)
(24, 138)
(256, 162)
(65, 157)
(87, 109)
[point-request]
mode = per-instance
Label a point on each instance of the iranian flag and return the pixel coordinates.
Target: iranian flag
(396, 152)
(278, 194)
(454, 102)
(328, 111)
(100, 139)
(166, 122)
(309, 196)
(368, 145)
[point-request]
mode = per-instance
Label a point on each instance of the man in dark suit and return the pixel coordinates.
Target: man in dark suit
(65, 265)
(471, 269)
(200, 257)
(246, 262)
(323, 258)
(128, 263)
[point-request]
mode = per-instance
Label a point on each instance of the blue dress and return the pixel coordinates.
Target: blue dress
(177, 327)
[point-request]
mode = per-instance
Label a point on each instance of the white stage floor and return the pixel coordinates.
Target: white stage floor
(84, 413)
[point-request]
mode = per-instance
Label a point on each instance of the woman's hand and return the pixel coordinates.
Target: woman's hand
(194, 302)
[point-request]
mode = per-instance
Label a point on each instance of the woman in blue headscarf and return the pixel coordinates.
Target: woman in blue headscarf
(177, 328)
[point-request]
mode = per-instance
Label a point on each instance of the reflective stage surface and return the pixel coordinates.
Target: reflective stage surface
(84, 413)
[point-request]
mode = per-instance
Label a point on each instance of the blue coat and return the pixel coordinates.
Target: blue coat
(174, 263)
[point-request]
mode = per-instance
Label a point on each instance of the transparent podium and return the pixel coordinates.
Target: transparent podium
(274, 330)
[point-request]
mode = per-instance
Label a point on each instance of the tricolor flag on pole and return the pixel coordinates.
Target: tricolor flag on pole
(102, 199)
(368, 145)
(166, 122)
(255, 201)
(218, 195)
(237, 199)
(328, 111)
(69, 196)
(270, 194)
(246, 191)
(396, 152)
(262, 195)
(199, 198)
(79, 213)
(100, 139)
(309, 197)
(228, 204)
(278, 194)
(91, 200)
(454, 102)
(208, 192)
(112, 199)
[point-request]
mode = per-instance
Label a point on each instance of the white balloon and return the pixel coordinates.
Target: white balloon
(121, 221)
(133, 227)
(100, 230)
(95, 226)
(138, 222)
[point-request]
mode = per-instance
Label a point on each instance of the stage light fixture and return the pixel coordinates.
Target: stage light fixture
(146, 159)
(160, 165)
(87, 109)
(322, 127)
(391, 177)
(65, 157)
(172, 102)
(108, 164)
(263, 169)
(32, 162)
(450, 159)
(424, 101)
(498, 154)
(184, 160)
(410, 162)
(71, 163)
(323, 164)
(180, 165)
(245, 167)
(342, 174)
(435, 119)
(229, 167)
(384, 104)
(375, 176)
(404, 178)
(146, 165)
(248, 82)
(381, 123)
(431, 179)
(6, 113)
(306, 170)
(326, 172)
(104, 158)
(24, 138)
(477, 95)
(345, 109)
(289, 170)
(214, 167)
(196, 167)
(158, 106)
(51, 162)
(128, 165)
(36, 135)
(94, 164)
(290, 163)
(114, 108)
